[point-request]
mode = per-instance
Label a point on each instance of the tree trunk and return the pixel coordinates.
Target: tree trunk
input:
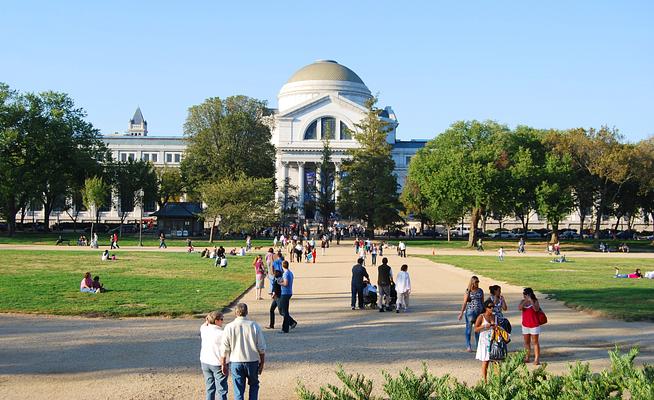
(617, 223)
(449, 234)
(599, 212)
(474, 221)
(47, 209)
(555, 232)
(11, 216)
(582, 218)
(213, 226)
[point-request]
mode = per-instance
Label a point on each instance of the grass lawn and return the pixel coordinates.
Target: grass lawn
(585, 283)
(533, 245)
(139, 283)
(26, 238)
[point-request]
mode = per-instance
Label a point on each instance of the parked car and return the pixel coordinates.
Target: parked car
(626, 235)
(458, 232)
(532, 235)
(503, 235)
(569, 235)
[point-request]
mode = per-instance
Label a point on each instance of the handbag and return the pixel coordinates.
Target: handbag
(542, 318)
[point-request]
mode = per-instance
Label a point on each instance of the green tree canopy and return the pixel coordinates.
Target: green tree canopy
(239, 203)
(227, 137)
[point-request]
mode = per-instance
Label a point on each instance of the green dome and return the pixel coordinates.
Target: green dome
(325, 70)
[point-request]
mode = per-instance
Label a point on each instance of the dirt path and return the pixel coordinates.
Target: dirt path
(64, 358)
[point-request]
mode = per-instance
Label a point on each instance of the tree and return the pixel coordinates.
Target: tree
(63, 147)
(288, 206)
(368, 187)
(461, 169)
(227, 137)
(599, 155)
(94, 197)
(170, 185)
(414, 201)
(16, 172)
(239, 203)
(325, 202)
(554, 194)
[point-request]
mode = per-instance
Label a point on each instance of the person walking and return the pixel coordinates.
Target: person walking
(472, 306)
(359, 279)
(402, 247)
(403, 288)
(244, 345)
(500, 253)
(115, 241)
(285, 298)
(530, 307)
(275, 296)
(484, 325)
(162, 240)
(260, 274)
(384, 281)
(211, 333)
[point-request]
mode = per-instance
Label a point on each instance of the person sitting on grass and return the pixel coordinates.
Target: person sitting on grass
(232, 252)
(635, 275)
(105, 255)
(86, 286)
(97, 285)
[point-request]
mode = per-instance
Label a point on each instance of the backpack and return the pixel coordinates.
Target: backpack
(499, 341)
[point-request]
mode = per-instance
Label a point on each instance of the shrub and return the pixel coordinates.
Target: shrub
(510, 379)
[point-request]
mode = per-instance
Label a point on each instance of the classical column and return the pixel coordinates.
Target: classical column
(282, 187)
(300, 185)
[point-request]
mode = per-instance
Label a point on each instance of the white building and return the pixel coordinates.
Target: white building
(325, 100)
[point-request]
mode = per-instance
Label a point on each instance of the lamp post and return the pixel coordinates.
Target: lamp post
(141, 219)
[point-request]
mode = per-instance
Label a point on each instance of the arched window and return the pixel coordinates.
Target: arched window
(328, 128)
(311, 133)
(346, 133)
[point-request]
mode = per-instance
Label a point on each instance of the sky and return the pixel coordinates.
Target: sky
(555, 64)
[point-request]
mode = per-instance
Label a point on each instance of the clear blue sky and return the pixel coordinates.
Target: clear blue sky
(555, 64)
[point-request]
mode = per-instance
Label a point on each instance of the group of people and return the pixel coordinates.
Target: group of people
(238, 349)
(363, 248)
(88, 285)
(635, 275)
(483, 315)
(385, 285)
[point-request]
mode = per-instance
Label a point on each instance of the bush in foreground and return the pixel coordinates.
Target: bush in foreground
(510, 380)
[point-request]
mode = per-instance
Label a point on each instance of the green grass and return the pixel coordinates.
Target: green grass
(29, 238)
(636, 246)
(585, 283)
(139, 283)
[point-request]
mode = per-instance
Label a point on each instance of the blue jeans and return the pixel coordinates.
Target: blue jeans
(87, 290)
(283, 304)
(471, 317)
(240, 372)
(214, 379)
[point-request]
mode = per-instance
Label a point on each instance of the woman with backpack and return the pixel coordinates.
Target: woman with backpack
(472, 306)
(530, 323)
(484, 326)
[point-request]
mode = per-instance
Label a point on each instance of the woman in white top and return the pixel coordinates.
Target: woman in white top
(403, 288)
(484, 326)
(211, 333)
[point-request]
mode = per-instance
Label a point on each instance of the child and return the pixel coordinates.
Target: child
(97, 285)
(313, 255)
(500, 253)
(105, 255)
(403, 288)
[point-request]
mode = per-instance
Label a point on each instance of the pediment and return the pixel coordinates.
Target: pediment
(319, 102)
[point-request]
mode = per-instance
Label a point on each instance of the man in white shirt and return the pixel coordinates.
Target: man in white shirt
(243, 343)
(211, 333)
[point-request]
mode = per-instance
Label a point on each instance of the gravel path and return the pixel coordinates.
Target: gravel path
(141, 358)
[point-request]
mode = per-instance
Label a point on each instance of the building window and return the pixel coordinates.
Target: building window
(310, 133)
(169, 158)
(123, 157)
(346, 133)
(407, 160)
(328, 128)
(178, 158)
(154, 157)
(145, 157)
